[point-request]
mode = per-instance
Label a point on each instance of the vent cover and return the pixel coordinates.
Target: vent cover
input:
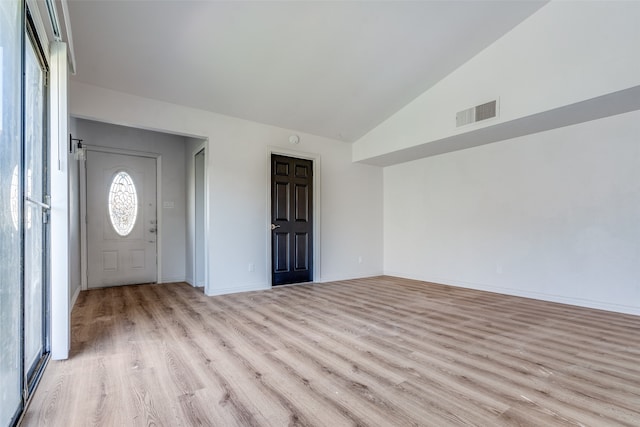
(477, 113)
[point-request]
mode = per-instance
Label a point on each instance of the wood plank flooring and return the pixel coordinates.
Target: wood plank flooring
(369, 352)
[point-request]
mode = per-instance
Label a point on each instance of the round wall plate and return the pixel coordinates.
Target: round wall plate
(294, 139)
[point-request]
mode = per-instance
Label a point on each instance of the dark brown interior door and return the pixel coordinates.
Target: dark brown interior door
(291, 220)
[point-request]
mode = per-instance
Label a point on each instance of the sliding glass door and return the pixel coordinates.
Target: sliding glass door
(36, 207)
(11, 30)
(23, 211)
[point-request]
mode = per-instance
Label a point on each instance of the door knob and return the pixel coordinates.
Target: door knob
(273, 226)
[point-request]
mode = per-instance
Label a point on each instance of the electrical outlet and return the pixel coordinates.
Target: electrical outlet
(252, 267)
(359, 260)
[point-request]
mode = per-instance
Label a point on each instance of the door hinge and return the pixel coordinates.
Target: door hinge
(45, 217)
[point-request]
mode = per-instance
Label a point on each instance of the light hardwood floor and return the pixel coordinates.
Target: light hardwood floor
(368, 352)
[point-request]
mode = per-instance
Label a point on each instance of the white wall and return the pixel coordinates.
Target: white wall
(552, 215)
(556, 60)
(74, 222)
(350, 200)
(172, 221)
(59, 181)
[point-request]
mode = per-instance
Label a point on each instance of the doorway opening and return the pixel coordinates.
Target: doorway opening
(199, 217)
(174, 156)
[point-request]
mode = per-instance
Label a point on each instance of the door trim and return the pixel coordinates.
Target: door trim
(204, 146)
(317, 170)
(83, 207)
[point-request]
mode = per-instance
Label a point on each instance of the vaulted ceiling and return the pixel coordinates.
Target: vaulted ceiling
(329, 68)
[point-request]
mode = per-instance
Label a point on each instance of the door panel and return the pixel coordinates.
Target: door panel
(301, 205)
(302, 251)
(281, 208)
(281, 250)
(292, 222)
(121, 219)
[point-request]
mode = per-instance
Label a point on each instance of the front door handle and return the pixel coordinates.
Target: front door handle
(273, 226)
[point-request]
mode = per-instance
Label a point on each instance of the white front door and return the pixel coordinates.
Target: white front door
(121, 219)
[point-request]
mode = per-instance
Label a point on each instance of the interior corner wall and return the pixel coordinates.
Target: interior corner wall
(552, 216)
(171, 196)
(350, 199)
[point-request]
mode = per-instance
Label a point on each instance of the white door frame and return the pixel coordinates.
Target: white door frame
(315, 159)
(83, 207)
(204, 146)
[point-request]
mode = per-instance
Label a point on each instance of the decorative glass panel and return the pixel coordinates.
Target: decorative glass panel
(123, 203)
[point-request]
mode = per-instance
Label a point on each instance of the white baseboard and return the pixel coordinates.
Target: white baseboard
(172, 279)
(579, 302)
(340, 278)
(264, 286)
(195, 285)
(237, 289)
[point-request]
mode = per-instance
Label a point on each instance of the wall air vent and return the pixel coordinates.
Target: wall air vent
(477, 113)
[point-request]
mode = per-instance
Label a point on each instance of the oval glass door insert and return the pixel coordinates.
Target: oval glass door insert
(123, 203)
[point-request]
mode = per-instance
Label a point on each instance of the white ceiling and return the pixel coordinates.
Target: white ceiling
(334, 69)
